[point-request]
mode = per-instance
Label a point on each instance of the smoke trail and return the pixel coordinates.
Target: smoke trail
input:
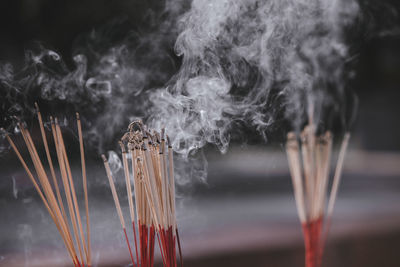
(262, 66)
(107, 80)
(14, 187)
(258, 62)
(25, 236)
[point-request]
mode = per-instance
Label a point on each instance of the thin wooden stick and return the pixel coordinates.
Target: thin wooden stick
(42, 176)
(39, 191)
(53, 174)
(72, 187)
(117, 205)
(325, 162)
(308, 172)
(172, 181)
(62, 171)
(137, 200)
(151, 183)
(154, 193)
(44, 188)
(127, 182)
(65, 174)
(334, 190)
(338, 174)
(292, 151)
(56, 219)
(316, 154)
(85, 190)
(129, 193)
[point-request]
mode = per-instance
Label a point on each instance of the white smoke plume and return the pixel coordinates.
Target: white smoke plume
(251, 61)
(107, 80)
(260, 65)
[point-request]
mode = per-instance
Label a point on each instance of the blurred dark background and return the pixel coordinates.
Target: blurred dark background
(63, 25)
(244, 215)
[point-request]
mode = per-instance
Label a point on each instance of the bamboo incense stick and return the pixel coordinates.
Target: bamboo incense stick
(53, 174)
(55, 206)
(43, 179)
(335, 187)
(154, 191)
(74, 198)
(292, 151)
(130, 197)
(338, 174)
(69, 188)
(117, 204)
(33, 180)
(311, 202)
(85, 191)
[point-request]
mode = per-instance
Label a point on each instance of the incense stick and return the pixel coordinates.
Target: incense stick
(292, 151)
(154, 191)
(53, 174)
(39, 191)
(129, 192)
(117, 204)
(311, 202)
(43, 187)
(338, 174)
(68, 187)
(85, 191)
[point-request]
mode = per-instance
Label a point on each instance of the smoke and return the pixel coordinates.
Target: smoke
(196, 117)
(15, 188)
(107, 79)
(25, 236)
(264, 66)
(256, 62)
(114, 162)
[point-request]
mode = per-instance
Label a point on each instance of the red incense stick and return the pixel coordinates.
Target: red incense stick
(309, 162)
(153, 184)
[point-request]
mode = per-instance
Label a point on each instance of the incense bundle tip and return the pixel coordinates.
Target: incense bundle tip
(104, 158)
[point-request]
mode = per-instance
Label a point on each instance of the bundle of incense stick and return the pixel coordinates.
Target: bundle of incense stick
(309, 161)
(74, 239)
(151, 167)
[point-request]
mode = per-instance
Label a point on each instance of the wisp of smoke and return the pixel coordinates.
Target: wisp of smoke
(112, 69)
(264, 65)
(253, 61)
